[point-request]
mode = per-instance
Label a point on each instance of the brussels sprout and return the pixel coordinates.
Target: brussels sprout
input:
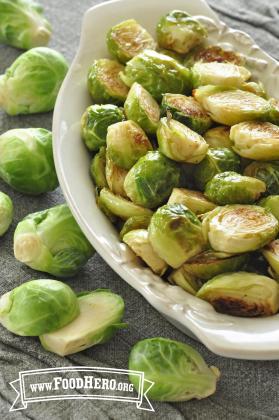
(172, 54)
(271, 203)
(157, 73)
(51, 241)
(26, 160)
(232, 106)
(138, 241)
(134, 223)
(220, 74)
(253, 87)
(218, 137)
(242, 294)
(180, 32)
(213, 53)
(178, 372)
(268, 172)
(104, 83)
(271, 254)
(186, 110)
(32, 83)
(233, 188)
(239, 228)
(179, 142)
(6, 212)
(217, 160)
(151, 180)
(115, 177)
(142, 108)
(98, 168)
(101, 313)
(175, 234)
(194, 200)
(22, 24)
(37, 307)
(127, 39)
(274, 111)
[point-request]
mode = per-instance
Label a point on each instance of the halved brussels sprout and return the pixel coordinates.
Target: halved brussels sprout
(186, 110)
(98, 168)
(151, 180)
(115, 177)
(127, 39)
(52, 241)
(104, 83)
(175, 234)
(213, 53)
(172, 54)
(233, 188)
(179, 142)
(142, 108)
(180, 32)
(139, 242)
(268, 172)
(271, 254)
(194, 200)
(220, 74)
(31, 84)
(242, 294)
(253, 87)
(217, 160)
(26, 160)
(239, 228)
(134, 223)
(6, 212)
(177, 371)
(256, 140)
(271, 203)
(218, 137)
(38, 307)
(157, 73)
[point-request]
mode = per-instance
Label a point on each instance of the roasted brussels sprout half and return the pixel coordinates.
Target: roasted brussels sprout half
(134, 223)
(151, 180)
(6, 212)
(115, 176)
(239, 228)
(271, 203)
(180, 32)
(178, 372)
(268, 172)
(98, 168)
(172, 54)
(271, 254)
(220, 74)
(26, 160)
(213, 53)
(242, 294)
(32, 83)
(253, 87)
(104, 83)
(218, 137)
(194, 200)
(127, 39)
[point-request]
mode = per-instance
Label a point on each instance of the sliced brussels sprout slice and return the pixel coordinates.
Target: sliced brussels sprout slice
(220, 74)
(98, 168)
(194, 200)
(218, 137)
(271, 203)
(134, 223)
(213, 53)
(6, 212)
(115, 176)
(268, 172)
(253, 87)
(271, 254)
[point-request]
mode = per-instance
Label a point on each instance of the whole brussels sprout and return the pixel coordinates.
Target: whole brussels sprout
(271, 203)
(218, 137)
(253, 87)
(239, 228)
(26, 160)
(22, 24)
(51, 241)
(6, 212)
(32, 83)
(220, 74)
(186, 110)
(268, 172)
(194, 200)
(213, 53)
(115, 176)
(217, 160)
(242, 294)
(126, 143)
(177, 371)
(135, 223)
(233, 188)
(180, 32)
(98, 168)
(157, 73)
(142, 108)
(127, 39)
(175, 234)
(37, 307)
(271, 254)
(151, 180)
(179, 142)
(104, 83)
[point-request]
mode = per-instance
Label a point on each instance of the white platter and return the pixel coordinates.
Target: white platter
(256, 338)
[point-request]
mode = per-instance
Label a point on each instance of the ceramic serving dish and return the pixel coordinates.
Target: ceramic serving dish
(225, 335)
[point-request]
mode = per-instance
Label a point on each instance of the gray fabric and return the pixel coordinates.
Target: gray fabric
(247, 390)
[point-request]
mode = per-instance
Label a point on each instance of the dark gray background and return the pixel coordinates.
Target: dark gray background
(247, 390)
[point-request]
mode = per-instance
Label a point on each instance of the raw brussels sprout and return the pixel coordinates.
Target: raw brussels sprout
(51, 241)
(220, 74)
(179, 142)
(126, 143)
(180, 32)
(38, 307)
(268, 172)
(271, 254)
(256, 140)
(138, 241)
(239, 228)
(104, 83)
(127, 39)
(98, 168)
(157, 73)
(32, 83)
(233, 188)
(175, 234)
(22, 24)
(151, 180)
(186, 110)
(115, 176)
(213, 53)
(194, 200)
(218, 137)
(217, 160)
(253, 87)
(178, 372)
(242, 294)
(6, 212)
(271, 203)
(26, 160)
(101, 313)
(134, 223)
(142, 108)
